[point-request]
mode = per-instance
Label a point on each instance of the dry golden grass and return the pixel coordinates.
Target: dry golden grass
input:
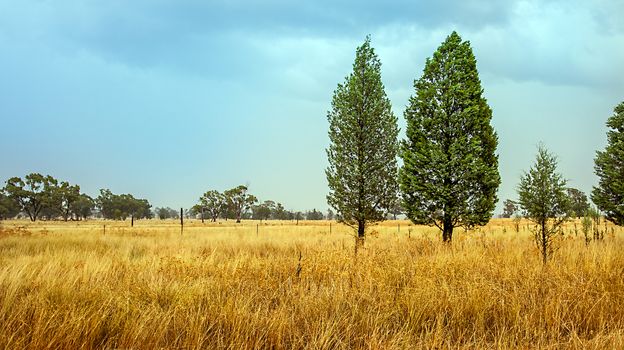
(70, 286)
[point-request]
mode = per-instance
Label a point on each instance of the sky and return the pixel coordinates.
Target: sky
(168, 99)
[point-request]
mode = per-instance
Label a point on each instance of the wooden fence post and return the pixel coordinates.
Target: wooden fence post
(181, 220)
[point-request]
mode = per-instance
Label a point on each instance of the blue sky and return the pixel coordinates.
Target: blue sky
(167, 99)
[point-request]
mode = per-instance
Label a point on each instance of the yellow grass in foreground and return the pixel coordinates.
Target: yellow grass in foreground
(69, 286)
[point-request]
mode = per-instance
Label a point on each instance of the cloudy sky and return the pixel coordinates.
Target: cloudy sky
(167, 99)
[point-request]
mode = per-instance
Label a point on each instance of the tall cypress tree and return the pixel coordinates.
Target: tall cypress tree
(609, 166)
(450, 172)
(363, 132)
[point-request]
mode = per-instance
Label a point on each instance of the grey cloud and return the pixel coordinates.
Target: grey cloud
(167, 32)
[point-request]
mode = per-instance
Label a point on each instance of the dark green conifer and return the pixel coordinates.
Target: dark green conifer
(363, 134)
(609, 166)
(450, 172)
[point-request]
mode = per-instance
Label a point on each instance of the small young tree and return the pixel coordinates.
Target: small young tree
(543, 198)
(363, 134)
(609, 166)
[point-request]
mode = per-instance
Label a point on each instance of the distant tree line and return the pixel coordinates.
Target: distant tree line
(166, 213)
(578, 205)
(237, 204)
(43, 197)
(122, 206)
(39, 196)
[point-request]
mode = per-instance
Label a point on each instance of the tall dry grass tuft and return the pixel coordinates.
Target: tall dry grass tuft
(296, 286)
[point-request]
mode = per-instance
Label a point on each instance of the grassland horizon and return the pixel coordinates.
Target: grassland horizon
(283, 285)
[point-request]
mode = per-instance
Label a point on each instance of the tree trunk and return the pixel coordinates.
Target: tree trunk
(361, 227)
(544, 244)
(132, 221)
(447, 230)
(359, 240)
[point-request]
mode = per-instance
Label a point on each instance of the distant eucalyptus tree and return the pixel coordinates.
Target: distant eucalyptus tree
(213, 203)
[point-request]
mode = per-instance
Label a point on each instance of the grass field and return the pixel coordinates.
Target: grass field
(284, 286)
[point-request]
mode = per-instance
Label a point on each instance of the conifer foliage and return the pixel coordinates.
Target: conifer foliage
(609, 166)
(450, 172)
(544, 200)
(362, 155)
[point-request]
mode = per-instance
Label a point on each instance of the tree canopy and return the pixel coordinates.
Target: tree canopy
(578, 202)
(608, 195)
(450, 173)
(122, 206)
(238, 201)
(44, 196)
(543, 197)
(363, 132)
(9, 208)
